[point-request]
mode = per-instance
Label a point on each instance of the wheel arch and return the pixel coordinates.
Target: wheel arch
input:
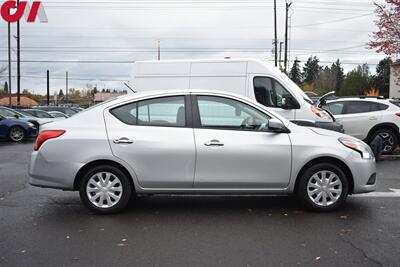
(386, 125)
(85, 168)
(327, 159)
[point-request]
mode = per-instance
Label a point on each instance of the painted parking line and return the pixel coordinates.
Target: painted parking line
(393, 193)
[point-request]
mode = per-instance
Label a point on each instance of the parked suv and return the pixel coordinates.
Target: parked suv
(366, 118)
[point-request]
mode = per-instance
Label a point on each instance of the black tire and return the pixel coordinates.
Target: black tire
(13, 137)
(125, 195)
(389, 139)
(302, 187)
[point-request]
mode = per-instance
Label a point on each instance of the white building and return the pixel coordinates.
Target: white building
(394, 91)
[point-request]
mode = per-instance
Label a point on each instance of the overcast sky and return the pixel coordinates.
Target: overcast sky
(96, 40)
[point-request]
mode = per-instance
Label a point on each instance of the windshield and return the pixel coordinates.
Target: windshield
(43, 114)
(292, 84)
(8, 113)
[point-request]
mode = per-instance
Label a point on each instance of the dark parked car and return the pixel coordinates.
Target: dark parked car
(66, 110)
(38, 113)
(16, 130)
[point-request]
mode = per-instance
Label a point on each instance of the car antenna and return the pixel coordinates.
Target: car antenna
(130, 88)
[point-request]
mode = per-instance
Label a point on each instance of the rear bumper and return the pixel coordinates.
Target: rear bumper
(52, 174)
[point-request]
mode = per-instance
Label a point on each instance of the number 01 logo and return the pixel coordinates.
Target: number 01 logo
(24, 9)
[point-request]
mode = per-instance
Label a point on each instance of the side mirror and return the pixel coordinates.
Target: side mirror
(277, 126)
(16, 116)
(289, 102)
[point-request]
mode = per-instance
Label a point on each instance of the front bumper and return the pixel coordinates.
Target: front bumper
(32, 132)
(364, 173)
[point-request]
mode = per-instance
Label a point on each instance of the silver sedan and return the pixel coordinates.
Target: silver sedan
(196, 142)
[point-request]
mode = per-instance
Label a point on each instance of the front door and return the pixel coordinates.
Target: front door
(269, 92)
(235, 148)
(153, 137)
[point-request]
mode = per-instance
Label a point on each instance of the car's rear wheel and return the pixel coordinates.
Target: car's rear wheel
(105, 189)
(16, 134)
(323, 187)
(389, 140)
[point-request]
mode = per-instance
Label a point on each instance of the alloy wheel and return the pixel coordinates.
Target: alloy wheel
(388, 141)
(16, 134)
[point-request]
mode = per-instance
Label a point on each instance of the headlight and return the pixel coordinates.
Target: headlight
(320, 113)
(359, 146)
(30, 124)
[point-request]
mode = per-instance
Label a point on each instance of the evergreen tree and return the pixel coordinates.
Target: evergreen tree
(60, 93)
(311, 70)
(295, 72)
(339, 73)
(381, 80)
(357, 81)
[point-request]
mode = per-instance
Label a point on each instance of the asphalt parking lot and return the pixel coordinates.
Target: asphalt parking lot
(44, 227)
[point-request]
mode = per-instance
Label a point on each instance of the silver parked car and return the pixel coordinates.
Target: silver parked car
(197, 142)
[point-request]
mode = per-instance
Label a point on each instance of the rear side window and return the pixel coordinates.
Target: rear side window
(353, 107)
(378, 106)
(165, 111)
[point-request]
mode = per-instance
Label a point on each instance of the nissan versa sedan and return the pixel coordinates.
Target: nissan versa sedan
(196, 142)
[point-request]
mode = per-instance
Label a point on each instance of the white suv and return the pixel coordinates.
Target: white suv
(366, 118)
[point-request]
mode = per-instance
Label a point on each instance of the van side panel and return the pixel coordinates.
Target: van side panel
(161, 76)
(222, 76)
(148, 83)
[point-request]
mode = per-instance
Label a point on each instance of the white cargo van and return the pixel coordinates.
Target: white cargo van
(248, 77)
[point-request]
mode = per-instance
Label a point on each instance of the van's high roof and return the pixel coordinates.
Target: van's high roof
(183, 67)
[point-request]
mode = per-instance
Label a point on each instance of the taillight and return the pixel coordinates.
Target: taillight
(46, 135)
(398, 114)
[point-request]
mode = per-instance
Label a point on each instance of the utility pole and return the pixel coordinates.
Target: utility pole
(158, 50)
(280, 55)
(286, 35)
(9, 63)
(66, 87)
(18, 62)
(48, 87)
(276, 36)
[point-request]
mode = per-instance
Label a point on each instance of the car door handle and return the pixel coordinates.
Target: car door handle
(214, 143)
(373, 118)
(123, 140)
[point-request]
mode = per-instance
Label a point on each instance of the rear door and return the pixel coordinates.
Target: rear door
(235, 148)
(357, 117)
(154, 137)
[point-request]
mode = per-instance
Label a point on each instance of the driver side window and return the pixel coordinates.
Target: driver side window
(269, 92)
(228, 114)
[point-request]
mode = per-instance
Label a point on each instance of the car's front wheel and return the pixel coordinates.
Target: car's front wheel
(105, 189)
(16, 134)
(323, 187)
